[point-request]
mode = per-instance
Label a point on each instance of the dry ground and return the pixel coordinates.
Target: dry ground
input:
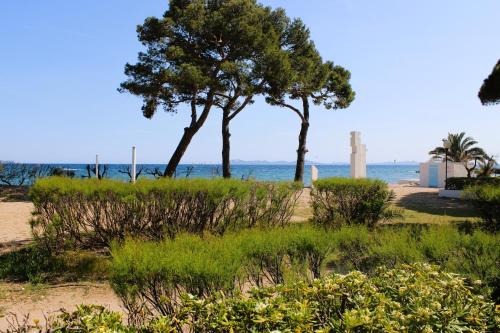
(420, 205)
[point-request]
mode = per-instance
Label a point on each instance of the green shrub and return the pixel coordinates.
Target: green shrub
(339, 201)
(82, 213)
(85, 319)
(487, 199)
(461, 183)
(407, 298)
(412, 298)
(151, 275)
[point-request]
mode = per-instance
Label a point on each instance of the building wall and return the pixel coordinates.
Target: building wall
(454, 170)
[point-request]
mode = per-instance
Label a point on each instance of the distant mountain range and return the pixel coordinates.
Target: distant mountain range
(263, 162)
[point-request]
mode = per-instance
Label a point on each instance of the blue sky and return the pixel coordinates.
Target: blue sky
(416, 68)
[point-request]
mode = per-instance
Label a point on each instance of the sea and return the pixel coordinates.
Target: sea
(386, 172)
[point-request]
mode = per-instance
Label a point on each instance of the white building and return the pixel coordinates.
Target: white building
(433, 173)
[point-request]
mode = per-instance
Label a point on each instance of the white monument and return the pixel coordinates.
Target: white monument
(314, 174)
(358, 156)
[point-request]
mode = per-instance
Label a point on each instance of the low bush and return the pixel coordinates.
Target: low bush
(461, 183)
(82, 213)
(37, 265)
(413, 298)
(339, 201)
(85, 319)
(151, 277)
(407, 298)
(487, 200)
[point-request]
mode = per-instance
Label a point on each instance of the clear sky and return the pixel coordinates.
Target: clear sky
(416, 69)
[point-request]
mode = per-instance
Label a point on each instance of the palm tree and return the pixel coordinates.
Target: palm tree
(487, 167)
(462, 150)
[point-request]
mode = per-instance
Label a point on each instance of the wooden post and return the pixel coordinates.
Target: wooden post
(97, 166)
(133, 165)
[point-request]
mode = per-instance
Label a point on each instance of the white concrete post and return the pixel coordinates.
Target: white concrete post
(97, 166)
(314, 174)
(133, 164)
(358, 156)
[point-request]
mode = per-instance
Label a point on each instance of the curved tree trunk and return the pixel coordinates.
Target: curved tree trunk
(226, 146)
(188, 135)
(302, 150)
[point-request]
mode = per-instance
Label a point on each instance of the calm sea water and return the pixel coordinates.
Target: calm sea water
(389, 173)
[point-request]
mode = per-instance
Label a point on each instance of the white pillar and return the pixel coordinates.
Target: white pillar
(314, 174)
(358, 156)
(97, 166)
(133, 164)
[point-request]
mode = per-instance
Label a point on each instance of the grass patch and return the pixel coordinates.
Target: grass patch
(434, 217)
(37, 266)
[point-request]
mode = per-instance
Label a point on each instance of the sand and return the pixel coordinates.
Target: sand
(14, 224)
(43, 301)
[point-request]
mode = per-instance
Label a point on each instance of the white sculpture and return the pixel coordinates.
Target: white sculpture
(358, 156)
(314, 174)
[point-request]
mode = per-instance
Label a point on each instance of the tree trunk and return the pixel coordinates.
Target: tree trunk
(302, 150)
(469, 170)
(188, 135)
(226, 146)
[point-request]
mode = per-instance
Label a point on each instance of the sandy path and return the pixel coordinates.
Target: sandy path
(14, 224)
(40, 302)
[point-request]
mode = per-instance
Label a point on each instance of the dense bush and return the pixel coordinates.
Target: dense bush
(460, 183)
(487, 199)
(407, 298)
(412, 298)
(151, 277)
(339, 201)
(93, 212)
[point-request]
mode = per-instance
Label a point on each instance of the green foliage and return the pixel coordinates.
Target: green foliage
(490, 90)
(85, 319)
(151, 277)
(487, 199)
(38, 265)
(90, 212)
(415, 298)
(207, 53)
(339, 201)
(462, 150)
(308, 79)
(408, 298)
(487, 166)
(27, 264)
(460, 183)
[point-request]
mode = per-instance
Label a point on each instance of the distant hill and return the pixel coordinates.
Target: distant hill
(264, 162)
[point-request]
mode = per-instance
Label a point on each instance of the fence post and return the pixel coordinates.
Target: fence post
(97, 166)
(133, 165)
